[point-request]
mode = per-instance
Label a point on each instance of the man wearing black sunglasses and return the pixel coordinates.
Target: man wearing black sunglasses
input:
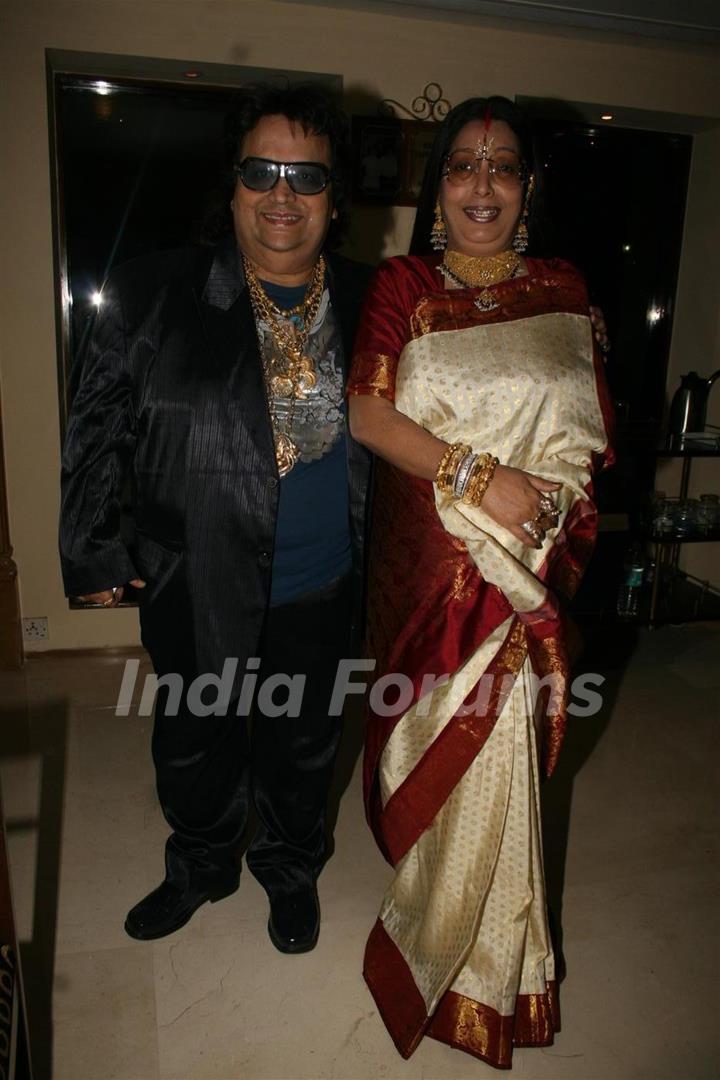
(215, 382)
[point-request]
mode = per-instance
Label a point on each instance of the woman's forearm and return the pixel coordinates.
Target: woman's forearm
(377, 424)
(512, 496)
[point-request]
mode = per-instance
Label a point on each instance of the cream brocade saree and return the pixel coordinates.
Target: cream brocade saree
(461, 949)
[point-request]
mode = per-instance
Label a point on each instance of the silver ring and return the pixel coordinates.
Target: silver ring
(547, 506)
(533, 529)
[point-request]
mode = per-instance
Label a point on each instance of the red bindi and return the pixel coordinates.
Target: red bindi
(487, 119)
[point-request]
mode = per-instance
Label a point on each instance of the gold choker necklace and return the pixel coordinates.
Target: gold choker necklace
(476, 271)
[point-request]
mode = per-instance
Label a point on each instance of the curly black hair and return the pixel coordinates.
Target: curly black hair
(316, 110)
(498, 108)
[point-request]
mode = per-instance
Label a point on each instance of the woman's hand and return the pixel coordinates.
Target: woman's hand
(597, 320)
(110, 597)
(513, 497)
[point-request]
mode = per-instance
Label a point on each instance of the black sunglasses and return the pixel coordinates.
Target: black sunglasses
(303, 177)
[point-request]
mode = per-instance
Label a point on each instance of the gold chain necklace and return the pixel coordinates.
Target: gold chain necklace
(290, 331)
(475, 271)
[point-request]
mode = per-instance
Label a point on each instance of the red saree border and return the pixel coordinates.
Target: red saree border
(412, 808)
(459, 1021)
(483, 1032)
(571, 548)
(431, 625)
(400, 1003)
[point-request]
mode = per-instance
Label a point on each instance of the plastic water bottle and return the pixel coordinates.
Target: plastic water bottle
(628, 602)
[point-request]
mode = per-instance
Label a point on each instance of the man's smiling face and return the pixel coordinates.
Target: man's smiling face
(281, 232)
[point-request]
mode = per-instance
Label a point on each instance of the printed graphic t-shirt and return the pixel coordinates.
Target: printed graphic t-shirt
(312, 538)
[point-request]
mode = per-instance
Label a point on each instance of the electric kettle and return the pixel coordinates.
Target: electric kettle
(688, 409)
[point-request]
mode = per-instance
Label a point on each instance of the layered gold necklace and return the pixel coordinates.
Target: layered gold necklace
(290, 372)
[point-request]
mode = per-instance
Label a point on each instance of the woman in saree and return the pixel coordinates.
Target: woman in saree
(478, 385)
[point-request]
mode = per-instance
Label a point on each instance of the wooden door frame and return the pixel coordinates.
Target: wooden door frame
(11, 647)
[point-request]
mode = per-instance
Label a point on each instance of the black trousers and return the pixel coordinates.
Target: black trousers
(209, 768)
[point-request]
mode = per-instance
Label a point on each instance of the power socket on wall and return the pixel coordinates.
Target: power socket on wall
(35, 629)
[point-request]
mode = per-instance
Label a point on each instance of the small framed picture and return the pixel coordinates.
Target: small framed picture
(389, 157)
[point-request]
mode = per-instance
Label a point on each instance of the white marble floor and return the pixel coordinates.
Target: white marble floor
(631, 866)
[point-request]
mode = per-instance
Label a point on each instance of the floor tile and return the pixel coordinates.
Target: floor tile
(631, 852)
(104, 1016)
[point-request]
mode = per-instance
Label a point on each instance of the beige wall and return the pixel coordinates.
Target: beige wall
(377, 55)
(696, 329)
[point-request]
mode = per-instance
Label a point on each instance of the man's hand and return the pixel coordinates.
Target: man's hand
(111, 597)
(600, 329)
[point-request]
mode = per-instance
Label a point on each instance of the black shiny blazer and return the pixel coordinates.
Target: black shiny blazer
(171, 396)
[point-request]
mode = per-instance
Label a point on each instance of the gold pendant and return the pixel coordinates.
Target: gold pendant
(282, 386)
(306, 381)
(305, 377)
(305, 366)
(286, 453)
(486, 301)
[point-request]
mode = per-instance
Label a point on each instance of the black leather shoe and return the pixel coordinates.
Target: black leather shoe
(294, 922)
(167, 908)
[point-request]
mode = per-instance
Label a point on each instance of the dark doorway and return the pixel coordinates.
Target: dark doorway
(138, 167)
(139, 158)
(616, 201)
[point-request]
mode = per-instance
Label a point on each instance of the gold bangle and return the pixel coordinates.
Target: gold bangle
(477, 483)
(449, 463)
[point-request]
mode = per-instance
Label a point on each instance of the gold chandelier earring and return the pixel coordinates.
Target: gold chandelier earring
(520, 239)
(438, 233)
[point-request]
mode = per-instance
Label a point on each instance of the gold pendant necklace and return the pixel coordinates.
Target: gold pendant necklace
(298, 376)
(286, 452)
(486, 301)
(474, 271)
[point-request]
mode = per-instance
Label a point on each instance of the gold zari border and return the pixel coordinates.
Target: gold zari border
(481, 1031)
(374, 374)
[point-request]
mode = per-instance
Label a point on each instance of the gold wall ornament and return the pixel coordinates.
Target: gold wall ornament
(430, 105)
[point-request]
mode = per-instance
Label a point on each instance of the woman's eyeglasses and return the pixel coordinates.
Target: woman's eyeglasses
(462, 165)
(303, 177)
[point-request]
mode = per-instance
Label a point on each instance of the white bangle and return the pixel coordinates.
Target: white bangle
(462, 474)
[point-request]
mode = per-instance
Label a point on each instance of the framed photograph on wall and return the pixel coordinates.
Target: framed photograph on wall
(389, 157)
